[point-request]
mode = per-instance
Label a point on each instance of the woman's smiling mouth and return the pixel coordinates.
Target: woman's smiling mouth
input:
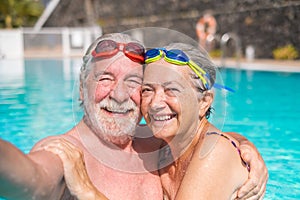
(163, 117)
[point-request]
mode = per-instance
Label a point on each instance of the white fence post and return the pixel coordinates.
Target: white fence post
(11, 44)
(66, 42)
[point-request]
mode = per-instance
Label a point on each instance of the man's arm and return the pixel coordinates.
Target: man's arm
(255, 186)
(37, 175)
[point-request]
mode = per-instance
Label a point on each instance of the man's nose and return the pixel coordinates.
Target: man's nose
(120, 92)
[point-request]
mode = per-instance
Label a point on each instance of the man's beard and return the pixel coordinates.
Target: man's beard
(117, 130)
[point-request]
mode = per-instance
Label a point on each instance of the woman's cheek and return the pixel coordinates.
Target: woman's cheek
(144, 108)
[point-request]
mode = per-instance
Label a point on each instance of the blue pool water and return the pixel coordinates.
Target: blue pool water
(39, 98)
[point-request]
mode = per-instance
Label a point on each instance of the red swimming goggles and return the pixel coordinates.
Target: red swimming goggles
(108, 48)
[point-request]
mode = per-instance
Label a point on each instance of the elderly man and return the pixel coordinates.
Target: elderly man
(120, 158)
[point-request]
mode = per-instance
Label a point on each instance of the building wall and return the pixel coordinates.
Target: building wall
(264, 24)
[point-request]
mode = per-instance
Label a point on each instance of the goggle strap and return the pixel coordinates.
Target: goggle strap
(218, 86)
(199, 75)
(197, 67)
(193, 67)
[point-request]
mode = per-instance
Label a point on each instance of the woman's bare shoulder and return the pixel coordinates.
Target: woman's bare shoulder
(215, 169)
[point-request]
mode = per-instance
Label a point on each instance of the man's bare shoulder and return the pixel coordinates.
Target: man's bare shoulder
(68, 136)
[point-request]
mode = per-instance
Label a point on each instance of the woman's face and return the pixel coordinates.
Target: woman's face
(169, 101)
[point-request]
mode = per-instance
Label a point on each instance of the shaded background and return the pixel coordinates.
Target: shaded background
(265, 25)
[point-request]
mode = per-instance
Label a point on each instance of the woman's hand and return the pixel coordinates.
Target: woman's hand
(255, 186)
(75, 173)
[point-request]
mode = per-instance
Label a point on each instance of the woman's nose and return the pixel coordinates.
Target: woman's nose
(158, 101)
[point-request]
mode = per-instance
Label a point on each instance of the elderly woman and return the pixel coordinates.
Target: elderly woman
(176, 104)
(198, 161)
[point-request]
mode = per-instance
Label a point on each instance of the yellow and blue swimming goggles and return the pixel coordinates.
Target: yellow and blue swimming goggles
(178, 57)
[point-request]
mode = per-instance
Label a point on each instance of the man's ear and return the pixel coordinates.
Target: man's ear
(205, 103)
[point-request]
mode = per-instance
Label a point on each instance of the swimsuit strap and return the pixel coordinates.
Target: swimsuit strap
(234, 144)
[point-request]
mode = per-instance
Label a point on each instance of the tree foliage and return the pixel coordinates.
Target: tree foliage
(19, 13)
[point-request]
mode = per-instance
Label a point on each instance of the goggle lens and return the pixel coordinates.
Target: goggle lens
(109, 48)
(178, 55)
(105, 49)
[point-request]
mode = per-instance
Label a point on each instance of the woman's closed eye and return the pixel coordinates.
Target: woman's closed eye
(172, 88)
(146, 90)
(172, 91)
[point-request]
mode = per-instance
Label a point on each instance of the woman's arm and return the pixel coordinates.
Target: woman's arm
(75, 172)
(255, 186)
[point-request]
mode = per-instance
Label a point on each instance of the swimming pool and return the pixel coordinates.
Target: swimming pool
(36, 100)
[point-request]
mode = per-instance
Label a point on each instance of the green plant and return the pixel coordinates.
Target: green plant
(288, 52)
(216, 53)
(18, 13)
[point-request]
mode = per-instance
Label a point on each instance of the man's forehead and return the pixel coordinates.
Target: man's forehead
(117, 65)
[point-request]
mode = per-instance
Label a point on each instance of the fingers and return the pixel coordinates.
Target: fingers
(248, 189)
(255, 193)
(262, 191)
(255, 186)
(248, 151)
(64, 149)
(254, 196)
(75, 174)
(71, 156)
